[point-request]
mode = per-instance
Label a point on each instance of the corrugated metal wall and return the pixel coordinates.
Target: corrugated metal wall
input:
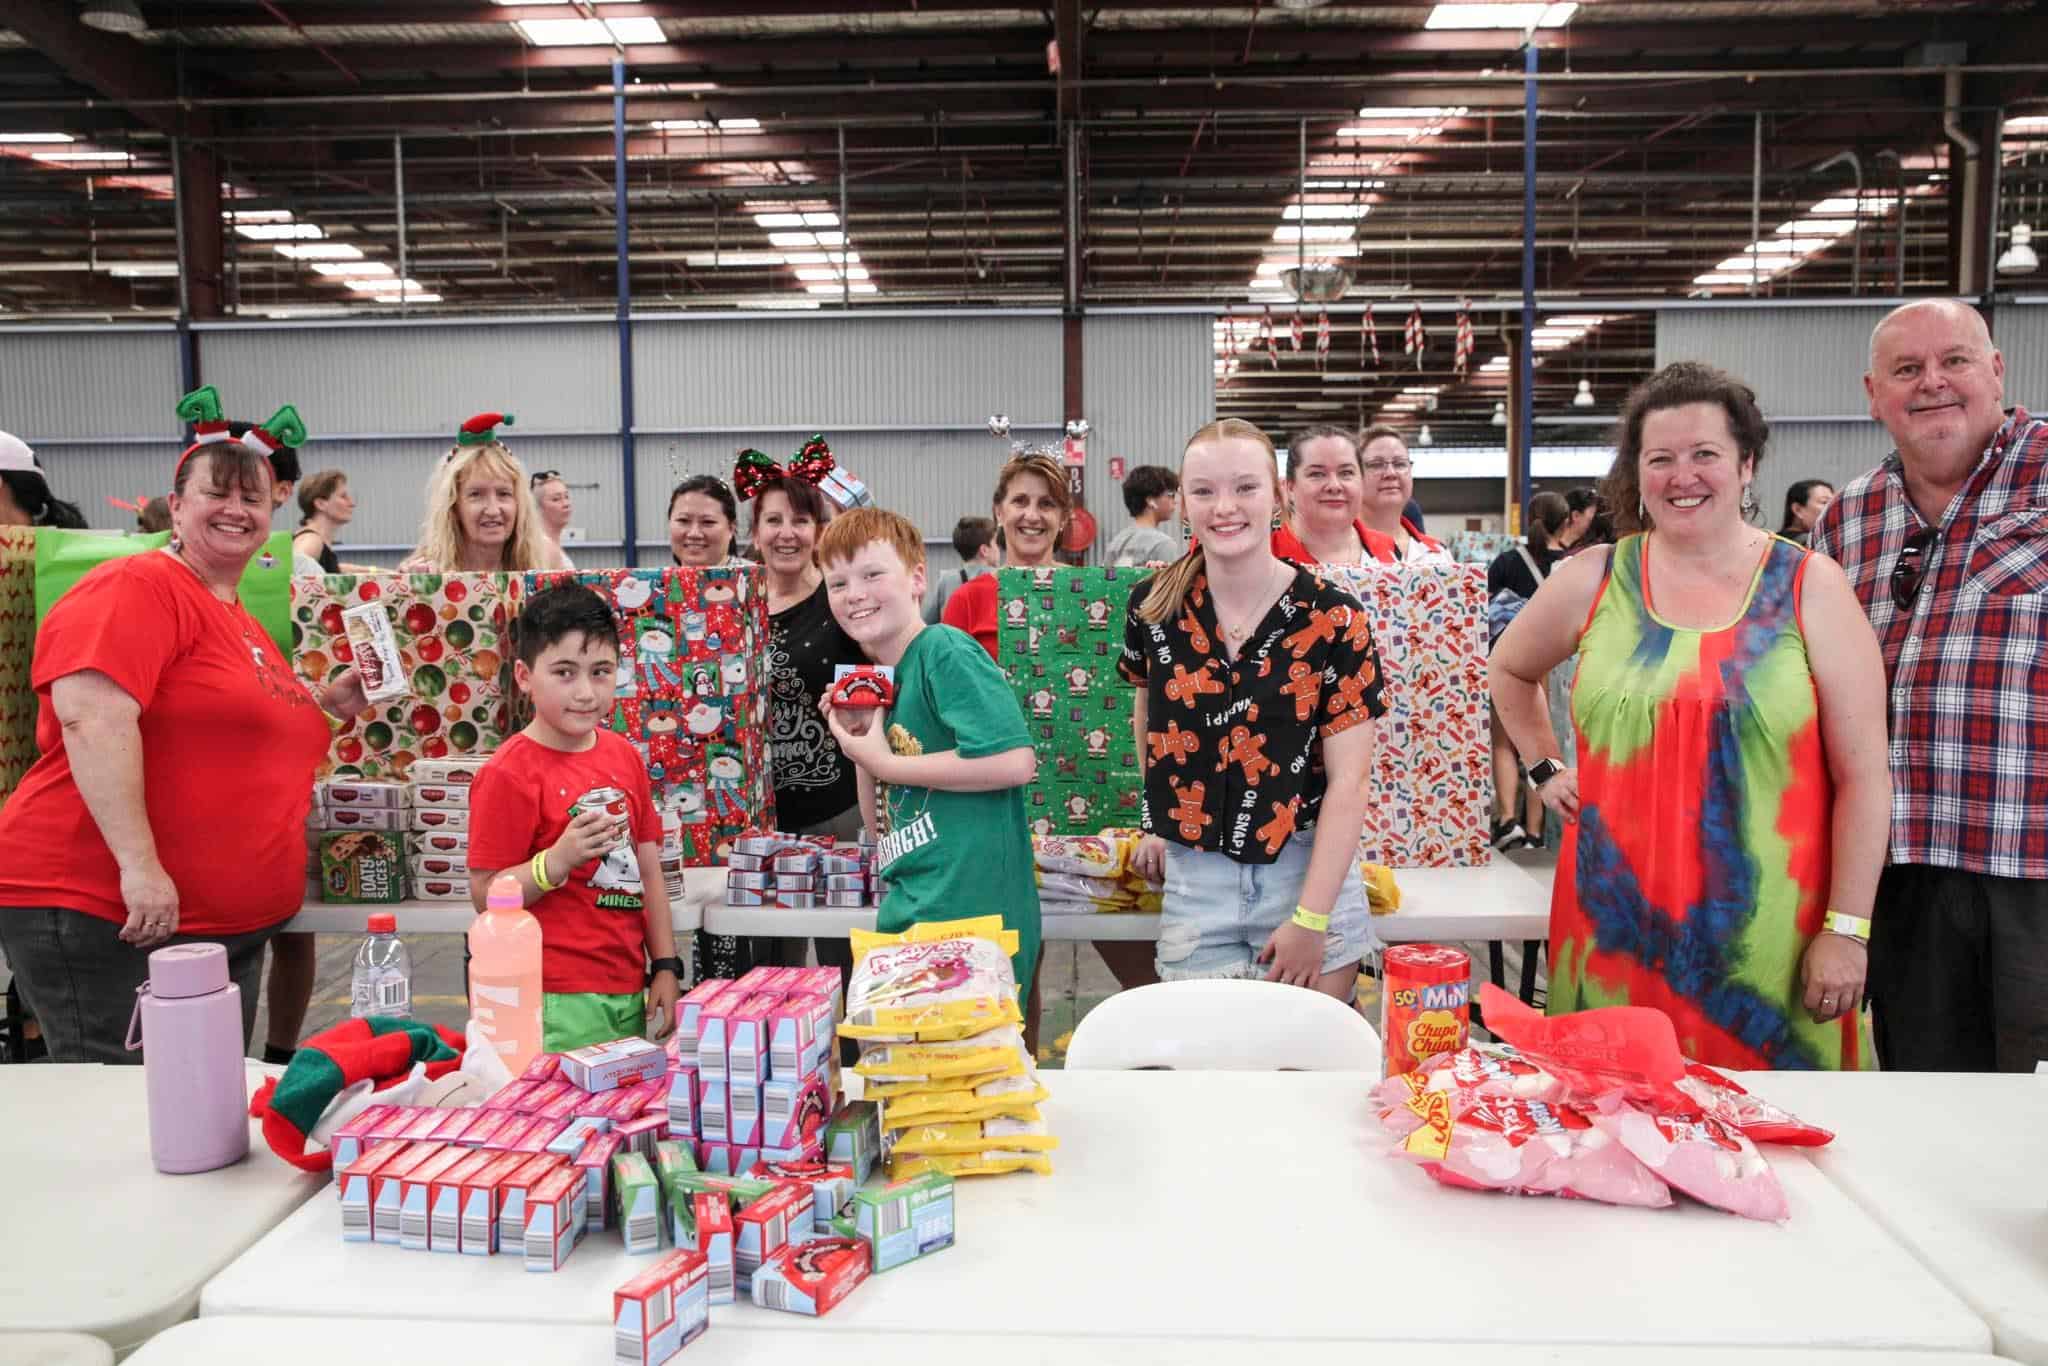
(1149, 383)
(767, 382)
(2021, 331)
(97, 406)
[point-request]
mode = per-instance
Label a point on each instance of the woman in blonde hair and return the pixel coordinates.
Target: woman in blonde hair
(1032, 507)
(1257, 685)
(480, 514)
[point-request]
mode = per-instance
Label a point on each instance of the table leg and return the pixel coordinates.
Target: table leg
(1530, 949)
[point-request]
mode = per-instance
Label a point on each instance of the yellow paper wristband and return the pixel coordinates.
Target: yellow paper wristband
(1848, 926)
(1309, 920)
(539, 869)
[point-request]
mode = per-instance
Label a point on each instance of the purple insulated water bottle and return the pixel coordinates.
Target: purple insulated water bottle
(188, 1024)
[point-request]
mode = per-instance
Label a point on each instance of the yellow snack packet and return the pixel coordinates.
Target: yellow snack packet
(989, 927)
(930, 1061)
(932, 1086)
(1011, 1135)
(938, 1021)
(1011, 1098)
(993, 1163)
(1382, 893)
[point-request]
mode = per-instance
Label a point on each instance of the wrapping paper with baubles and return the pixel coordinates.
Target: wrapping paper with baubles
(454, 641)
(1059, 634)
(1431, 791)
(17, 642)
(692, 696)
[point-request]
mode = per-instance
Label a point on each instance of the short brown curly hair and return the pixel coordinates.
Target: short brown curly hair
(1676, 385)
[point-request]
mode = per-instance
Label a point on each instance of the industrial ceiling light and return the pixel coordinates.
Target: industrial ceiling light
(2019, 258)
(1301, 4)
(1500, 414)
(1510, 16)
(113, 16)
(1583, 398)
(1423, 438)
(1318, 282)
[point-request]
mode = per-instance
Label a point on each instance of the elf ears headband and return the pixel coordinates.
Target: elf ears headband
(202, 409)
(754, 472)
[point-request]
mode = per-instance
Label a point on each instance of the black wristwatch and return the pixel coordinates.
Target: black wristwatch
(674, 965)
(1542, 771)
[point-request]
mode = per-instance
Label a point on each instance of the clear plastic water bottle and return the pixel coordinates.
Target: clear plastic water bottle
(383, 975)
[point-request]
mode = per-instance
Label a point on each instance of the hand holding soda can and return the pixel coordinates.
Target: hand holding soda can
(612, 801)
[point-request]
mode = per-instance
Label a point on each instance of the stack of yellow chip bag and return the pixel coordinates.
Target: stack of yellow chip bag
(942, 1050)
(1083, 874)
(1382, 894)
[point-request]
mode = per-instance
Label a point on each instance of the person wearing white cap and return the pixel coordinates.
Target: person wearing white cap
(25, 497)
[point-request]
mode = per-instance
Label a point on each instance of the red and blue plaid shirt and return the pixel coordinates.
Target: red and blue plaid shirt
(1966, 658)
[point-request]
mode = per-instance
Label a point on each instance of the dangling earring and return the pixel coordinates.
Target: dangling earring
(1642, 512)
(1749, 503)
(177, 543)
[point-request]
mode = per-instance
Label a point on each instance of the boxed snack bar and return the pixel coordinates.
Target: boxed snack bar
(646, 1098)
(541, 1094)
(746, 1046)
(714, 1031)
(608, 1066)
(727, 1159)
(906, 1220)
(811, 1278)
(415, 1188)
(688, 1010)
(812, 1149)
(374, 645)
(438, 842)
(343, 793)
(829, 983)
(454, 796)
(831, 1185)
(393, 1123)
(714, 1236)
(577, 1132)
(793, 1109)
(482, 1197)
(438, 818)
(544, 1067)
(713, 1124)
(454, 1124)
(453, 772)
(347, 1143)
(594, 1164)
(487, 1127)
(743, 1112)
(455, 866)
(539, 1134)
(734, 896)
(512, 1192)
(682, 1103)
(554, 1220)
(361, 867)
(770, 980)
(444, 1198)
(510, 1096)
(636, 1195)
(639, 1134)
(673, 1158)
(367, 818)
(761, 1229)
(661, 1311)
(424, 1122)
(442, 889)
(800, 1035)
(853, 1138)
(357, 1182)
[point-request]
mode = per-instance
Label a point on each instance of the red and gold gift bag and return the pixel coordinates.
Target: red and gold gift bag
(453, 634)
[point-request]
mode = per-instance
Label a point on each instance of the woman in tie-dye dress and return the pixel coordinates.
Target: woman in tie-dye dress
(1730, 787)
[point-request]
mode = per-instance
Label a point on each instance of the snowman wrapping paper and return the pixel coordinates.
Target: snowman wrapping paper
(692, 695)
(454, 645)
(1059, 632)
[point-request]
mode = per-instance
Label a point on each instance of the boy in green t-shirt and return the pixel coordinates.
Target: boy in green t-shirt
(948, 766)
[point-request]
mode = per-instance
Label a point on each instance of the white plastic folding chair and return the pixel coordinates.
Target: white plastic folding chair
(1224, 1026)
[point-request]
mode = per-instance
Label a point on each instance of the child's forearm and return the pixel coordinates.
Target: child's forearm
(521, 873)
(947, 771)
(661, 930)
(864, 784)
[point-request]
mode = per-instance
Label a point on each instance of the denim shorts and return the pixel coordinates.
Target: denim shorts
(1218, 913)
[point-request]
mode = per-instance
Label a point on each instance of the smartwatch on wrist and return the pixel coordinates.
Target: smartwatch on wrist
(671, 965)
(1542, 771)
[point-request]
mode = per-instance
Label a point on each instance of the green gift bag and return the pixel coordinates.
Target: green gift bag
(64, 557)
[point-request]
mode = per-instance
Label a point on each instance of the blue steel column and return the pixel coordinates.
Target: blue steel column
(627, 482)
(1525, 353)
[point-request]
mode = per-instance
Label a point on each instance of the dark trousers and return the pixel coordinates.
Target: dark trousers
(79, 978)
(1959, 971)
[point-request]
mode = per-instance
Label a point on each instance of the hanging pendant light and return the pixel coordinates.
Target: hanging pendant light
(1423, 438)
(1500, 414)
(2020, 258)
(1583, 398)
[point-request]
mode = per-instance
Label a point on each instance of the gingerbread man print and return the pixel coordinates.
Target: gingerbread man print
(1277, 831)
(1188, 811)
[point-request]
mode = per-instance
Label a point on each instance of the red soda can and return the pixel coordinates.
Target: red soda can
(1425, 1004)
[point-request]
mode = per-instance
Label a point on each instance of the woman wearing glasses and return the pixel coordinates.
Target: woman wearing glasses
(551, 499)
(1728, 806)
(1346, 494)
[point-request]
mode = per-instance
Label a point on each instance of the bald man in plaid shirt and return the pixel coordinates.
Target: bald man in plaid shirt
(1946, 545)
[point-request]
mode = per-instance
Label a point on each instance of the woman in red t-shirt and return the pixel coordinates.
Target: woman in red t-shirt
(1032, 507)
(178, 751)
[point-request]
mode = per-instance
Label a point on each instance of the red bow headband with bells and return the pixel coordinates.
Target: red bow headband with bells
(202, 409)
(753, 472)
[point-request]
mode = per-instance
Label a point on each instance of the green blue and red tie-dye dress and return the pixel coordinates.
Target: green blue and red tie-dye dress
(1698, 870)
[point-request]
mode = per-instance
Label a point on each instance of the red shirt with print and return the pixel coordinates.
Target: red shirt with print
(972, 609)
(230, 741)
(593, 928)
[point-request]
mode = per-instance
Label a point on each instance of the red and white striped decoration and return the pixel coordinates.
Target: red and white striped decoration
(1369, 343)
(1415, 339)
(1266, 336)
(1323, 339)
(1294, 330)
(1461, 360)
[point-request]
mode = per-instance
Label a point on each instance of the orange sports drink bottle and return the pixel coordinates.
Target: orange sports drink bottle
(504, 975)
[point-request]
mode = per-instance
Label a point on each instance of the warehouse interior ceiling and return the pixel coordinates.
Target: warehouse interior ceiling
(457, 156)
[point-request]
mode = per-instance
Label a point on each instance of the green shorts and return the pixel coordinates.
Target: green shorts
(578, 1019)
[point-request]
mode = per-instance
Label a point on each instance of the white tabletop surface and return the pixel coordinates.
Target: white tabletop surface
(1235, 1205)
(1952, 1165)
(437, 917)
(53, 1349)
(93, 1239)
(1497, 900)
(339, 1342)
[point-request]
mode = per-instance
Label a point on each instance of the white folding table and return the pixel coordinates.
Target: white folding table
(98, 1241)
(431, 917)
(1244, 1206)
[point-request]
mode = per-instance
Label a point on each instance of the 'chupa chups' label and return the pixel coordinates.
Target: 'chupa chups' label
(1426, 1004)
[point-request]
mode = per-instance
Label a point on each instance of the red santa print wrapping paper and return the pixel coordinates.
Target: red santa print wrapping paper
(17, 639)
(453, 635)
(1431, 788)
(693, 696)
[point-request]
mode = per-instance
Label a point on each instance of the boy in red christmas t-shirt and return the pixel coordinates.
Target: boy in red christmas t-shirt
(596, 888)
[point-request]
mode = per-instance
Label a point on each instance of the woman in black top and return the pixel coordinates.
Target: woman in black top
(1521, 571)
(327, 506)
(1805, 501)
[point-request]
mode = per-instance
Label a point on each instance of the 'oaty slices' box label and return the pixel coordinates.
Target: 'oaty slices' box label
(361, 866)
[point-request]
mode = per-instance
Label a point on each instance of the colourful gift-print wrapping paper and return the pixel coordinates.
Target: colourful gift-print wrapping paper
(17, 643)
(1431, 783)
(453, 637)
(1059, 633)
(692, 695)
(1478, 547)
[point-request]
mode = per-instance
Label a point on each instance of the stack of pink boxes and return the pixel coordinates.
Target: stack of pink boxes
(753, 1067)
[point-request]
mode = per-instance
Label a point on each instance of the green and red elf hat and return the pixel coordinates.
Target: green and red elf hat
(378, 1050)
(482, 429)
(202, 409)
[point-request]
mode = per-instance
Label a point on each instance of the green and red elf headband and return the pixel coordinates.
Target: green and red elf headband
(202, 409)
(752, 471)
(482, 429)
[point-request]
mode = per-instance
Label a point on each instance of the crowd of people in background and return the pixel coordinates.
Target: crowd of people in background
(1789, 774)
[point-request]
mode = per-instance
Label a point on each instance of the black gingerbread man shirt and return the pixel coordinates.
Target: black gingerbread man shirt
(1233, 754)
